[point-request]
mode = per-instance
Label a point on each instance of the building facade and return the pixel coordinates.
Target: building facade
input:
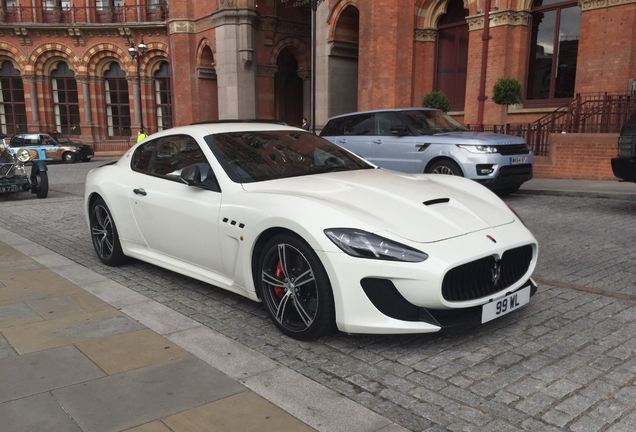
(65, 64)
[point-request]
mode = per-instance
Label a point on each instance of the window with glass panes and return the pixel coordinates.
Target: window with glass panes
(163, 97)
(65, 100)
(554, 46)
(12, 107)
(117, 102)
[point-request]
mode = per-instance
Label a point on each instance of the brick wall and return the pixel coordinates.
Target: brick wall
(578, 156)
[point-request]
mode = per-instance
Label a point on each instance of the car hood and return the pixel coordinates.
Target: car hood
(418, 207)
(477, 138)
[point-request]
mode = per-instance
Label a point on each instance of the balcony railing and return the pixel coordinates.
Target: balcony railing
(83, 14)
(594, 113)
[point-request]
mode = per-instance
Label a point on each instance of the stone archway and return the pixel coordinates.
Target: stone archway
(343, 61)
(288, 88)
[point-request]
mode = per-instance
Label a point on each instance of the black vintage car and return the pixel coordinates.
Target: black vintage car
(624, 165)
(13, 172)
(50, 147)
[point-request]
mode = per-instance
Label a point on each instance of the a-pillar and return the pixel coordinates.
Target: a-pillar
(235, 66)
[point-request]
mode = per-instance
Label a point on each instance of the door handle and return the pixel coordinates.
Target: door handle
(140, 192)
(341, 141)
(377, 141)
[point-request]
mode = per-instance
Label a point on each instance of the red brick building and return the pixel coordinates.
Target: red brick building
(65, 64)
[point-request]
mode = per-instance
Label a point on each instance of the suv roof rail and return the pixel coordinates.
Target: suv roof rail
(240, 121)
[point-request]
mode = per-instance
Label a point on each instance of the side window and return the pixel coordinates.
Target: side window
(31, 140)
(167, 156)
(17, 141)
(360, 124)
(334, 127)
(383, 123)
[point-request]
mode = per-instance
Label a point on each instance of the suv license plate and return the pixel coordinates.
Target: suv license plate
(518, 160)
(10, 188)
(505, 305)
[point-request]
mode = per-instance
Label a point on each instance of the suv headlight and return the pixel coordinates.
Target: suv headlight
(480, 149)
(362, 244)
(22, 154)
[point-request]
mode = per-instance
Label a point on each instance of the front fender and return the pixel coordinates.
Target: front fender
(38, 166)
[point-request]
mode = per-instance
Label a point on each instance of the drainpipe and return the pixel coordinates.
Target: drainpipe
(484, 63)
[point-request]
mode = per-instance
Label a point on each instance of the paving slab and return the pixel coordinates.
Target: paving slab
(120, 353)
(36, 414)
(245, 412)
(133, 398)
(30, 374)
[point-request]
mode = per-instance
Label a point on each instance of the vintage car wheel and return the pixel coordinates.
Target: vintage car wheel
(41, 184)
(295, 288)
(447, 167)
(68, 157)
(104, 234)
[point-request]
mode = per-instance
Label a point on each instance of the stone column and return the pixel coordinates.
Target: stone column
(305, 75)
(235, 68)
(32, 96)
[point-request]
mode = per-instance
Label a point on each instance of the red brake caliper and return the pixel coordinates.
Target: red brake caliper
(279, 291)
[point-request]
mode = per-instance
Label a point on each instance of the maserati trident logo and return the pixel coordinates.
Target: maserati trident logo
(496, 272)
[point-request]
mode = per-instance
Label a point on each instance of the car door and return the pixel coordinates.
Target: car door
(393, 146)
(176, 220)
(357, 135)
(49, 147)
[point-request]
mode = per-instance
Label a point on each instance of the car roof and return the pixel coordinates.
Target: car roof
(230, 126)
(384, 110)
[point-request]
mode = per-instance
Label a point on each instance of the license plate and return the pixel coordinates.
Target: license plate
(518, 160)
(505, 305)
(10, 188)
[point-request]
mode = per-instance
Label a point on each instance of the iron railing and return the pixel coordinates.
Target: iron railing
(83, 14)
(592, 113)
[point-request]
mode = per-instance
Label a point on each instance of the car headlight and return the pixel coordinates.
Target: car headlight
(22, 154)
(480, 149)
(362, 244)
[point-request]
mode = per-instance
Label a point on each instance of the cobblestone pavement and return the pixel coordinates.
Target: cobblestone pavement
(565, 362)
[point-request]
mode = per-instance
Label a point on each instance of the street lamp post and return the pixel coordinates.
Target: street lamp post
(137, 54)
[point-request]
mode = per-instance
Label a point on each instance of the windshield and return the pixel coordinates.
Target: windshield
(428, 122)
(267, 155)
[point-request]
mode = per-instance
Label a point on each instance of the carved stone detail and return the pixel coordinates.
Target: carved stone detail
(475, 22)
(125, 33)
(304, 74)
(206, 73)
(510, 18)
(425, 35)
(235, 17)
(266, 71)
(77, 36)
(182, 26)
(602, 4)
(344, 49)
(23, 36)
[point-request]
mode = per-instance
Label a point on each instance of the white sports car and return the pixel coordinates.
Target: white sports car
(321, 236)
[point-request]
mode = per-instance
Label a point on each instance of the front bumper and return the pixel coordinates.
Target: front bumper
(624, 168)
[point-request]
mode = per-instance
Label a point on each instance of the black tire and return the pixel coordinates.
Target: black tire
(305, 310)
(447, 167)
(104, 234)
(68, 157)
(507, 191)
(41, 184)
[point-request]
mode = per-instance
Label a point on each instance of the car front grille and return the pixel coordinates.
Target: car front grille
(513, 149)
(6, 170)
(486, 276)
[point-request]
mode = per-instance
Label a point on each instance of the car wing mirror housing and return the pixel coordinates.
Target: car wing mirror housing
(192, 176)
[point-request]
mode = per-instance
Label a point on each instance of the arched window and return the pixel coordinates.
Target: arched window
(117, 102)
(65, 100)
(12, 108)
(554, 46)
(163, 97)
(452, 54)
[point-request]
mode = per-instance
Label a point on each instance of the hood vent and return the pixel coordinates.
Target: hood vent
(436, 201)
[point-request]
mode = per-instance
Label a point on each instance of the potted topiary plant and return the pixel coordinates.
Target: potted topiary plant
(507, 91)
(438, 100)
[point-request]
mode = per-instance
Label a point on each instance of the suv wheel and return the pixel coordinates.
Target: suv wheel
(447, 167)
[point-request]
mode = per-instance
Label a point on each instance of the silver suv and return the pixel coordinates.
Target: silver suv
(424, 140)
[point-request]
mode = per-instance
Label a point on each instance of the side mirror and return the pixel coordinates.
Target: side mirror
(192, 176)
(399, 131)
